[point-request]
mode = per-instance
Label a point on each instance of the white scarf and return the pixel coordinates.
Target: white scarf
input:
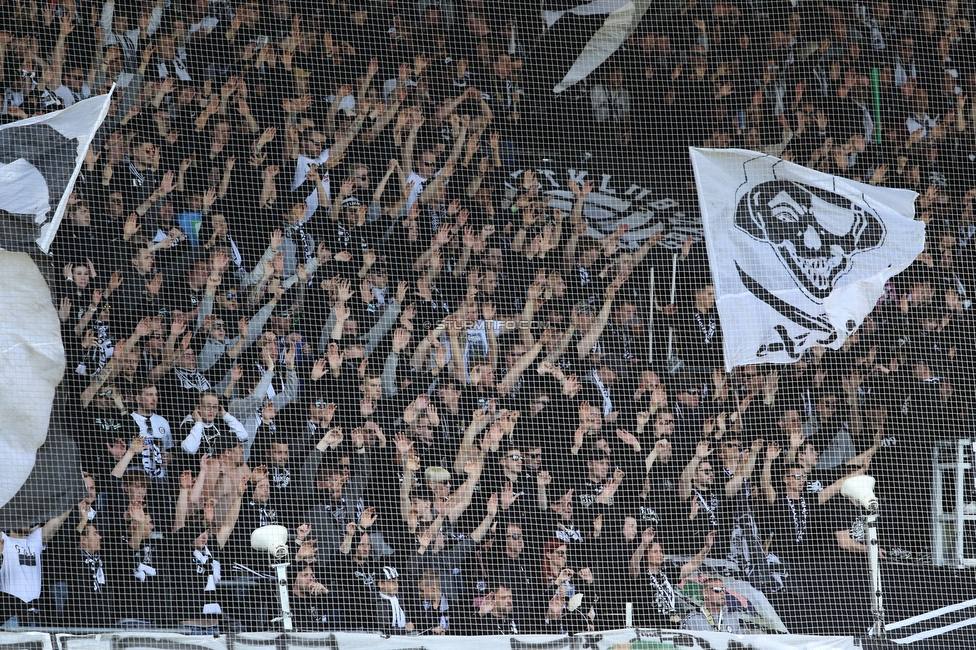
(399, 617)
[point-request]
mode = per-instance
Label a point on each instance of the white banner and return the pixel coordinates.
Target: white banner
(798, 258)
(31, 366)
(40, 158)
(641, 639)
(615, 200)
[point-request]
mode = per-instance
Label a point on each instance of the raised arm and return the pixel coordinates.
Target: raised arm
(684, 481)
(135, 447)
(461, 499)
(744, 473)
(593, 334)
(692, 566)
(479, 533)
(512, 376)
(50, 529)
(772, 453)
(637, 557)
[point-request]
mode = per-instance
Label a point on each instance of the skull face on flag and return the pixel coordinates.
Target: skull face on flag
(815, 233)
(799, 258)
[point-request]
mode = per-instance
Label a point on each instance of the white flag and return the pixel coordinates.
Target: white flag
(798, 258)
(623, 16)
(40, 158)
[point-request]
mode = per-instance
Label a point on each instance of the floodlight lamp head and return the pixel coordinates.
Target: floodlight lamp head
(271, 539)
(861, 490)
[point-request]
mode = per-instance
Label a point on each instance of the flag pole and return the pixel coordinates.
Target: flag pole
(876, 91)
(674, 284)
(650, 323)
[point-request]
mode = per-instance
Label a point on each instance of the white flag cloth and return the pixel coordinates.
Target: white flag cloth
(40, 158)
(798, 258)
(622, 19)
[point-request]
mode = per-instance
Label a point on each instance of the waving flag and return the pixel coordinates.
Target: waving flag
(798, 258)
(40, 158)
(619, 19)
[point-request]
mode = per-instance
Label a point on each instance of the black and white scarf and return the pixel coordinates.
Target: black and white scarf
(710, 506)
(799, 521)
(664, 597)
(95, 565)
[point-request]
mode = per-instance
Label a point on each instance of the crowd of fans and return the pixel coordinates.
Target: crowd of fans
(297, 289)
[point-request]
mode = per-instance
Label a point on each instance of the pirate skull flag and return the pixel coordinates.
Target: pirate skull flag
(798, 257)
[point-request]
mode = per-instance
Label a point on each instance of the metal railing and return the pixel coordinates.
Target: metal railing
(951, 457)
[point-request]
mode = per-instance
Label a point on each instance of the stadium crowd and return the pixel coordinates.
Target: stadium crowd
(303, 280)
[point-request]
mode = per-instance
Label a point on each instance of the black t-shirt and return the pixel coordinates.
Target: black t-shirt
(842, 515)
(793, 523)
(356, 584)
(315, 613)
(657, 600)
(198, 573)
(91, 591)
(141, 578)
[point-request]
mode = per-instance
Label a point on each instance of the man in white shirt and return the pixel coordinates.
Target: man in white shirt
(20, 571)
(74, 87)
(155, 431)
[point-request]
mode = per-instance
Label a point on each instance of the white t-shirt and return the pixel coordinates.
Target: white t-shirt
(302, 165)
(20, 573)
(477, 341)
(418, 187)
(159, 438)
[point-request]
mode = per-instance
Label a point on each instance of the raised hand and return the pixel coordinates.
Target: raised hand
(368, 517)
(628, 439)
(702, 450)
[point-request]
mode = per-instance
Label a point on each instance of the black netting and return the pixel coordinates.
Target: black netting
(426, 284)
